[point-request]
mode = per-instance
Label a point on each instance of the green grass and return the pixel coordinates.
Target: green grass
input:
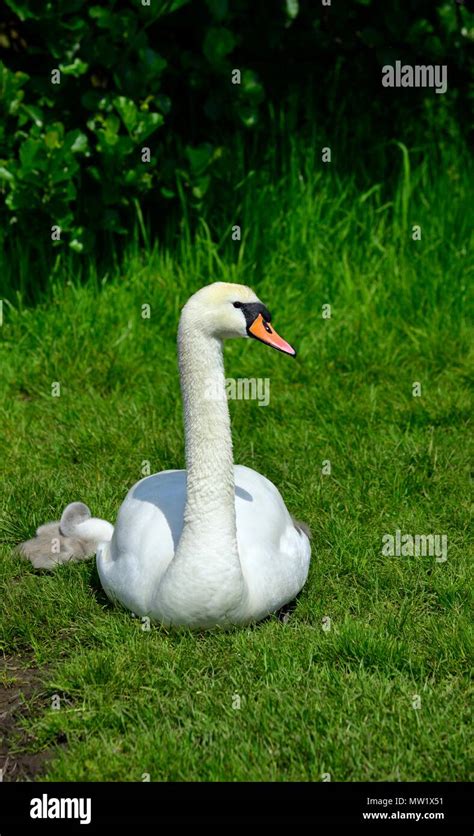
(311, 701)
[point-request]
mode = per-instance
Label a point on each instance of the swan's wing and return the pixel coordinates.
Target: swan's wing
(274, 553)
(146, 535)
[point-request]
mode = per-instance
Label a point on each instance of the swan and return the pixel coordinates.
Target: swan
(210, 546)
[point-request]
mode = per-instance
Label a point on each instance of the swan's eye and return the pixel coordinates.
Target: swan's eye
(237, 304)
(267, 327)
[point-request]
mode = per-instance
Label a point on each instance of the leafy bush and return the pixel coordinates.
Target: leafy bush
(86, 89)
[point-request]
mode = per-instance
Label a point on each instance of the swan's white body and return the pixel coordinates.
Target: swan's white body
(212, 545)
(134, 566)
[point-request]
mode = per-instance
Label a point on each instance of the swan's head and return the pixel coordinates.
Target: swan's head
(225, 310)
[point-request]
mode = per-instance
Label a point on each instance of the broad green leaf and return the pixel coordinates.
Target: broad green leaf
(30, 153)
(147, 123)
(152, 61)
(80, 143)
(128, 111)
(218, 43)
(199, 157)
(77, 68)
(6, 175)
(33, 113)
(53, 139)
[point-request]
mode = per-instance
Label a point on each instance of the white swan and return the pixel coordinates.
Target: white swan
(213, 544)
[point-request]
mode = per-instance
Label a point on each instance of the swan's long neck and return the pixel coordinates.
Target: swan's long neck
(210, 503)
(205, 576)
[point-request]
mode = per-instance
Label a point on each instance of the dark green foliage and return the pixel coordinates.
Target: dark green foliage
(160, 76)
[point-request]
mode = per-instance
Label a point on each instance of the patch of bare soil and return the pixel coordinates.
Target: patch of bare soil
(20, 683)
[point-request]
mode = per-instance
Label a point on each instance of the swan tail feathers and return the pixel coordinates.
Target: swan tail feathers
(75, 537)
(302, 527)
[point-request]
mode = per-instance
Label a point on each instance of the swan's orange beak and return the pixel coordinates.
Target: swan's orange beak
(264, 332)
